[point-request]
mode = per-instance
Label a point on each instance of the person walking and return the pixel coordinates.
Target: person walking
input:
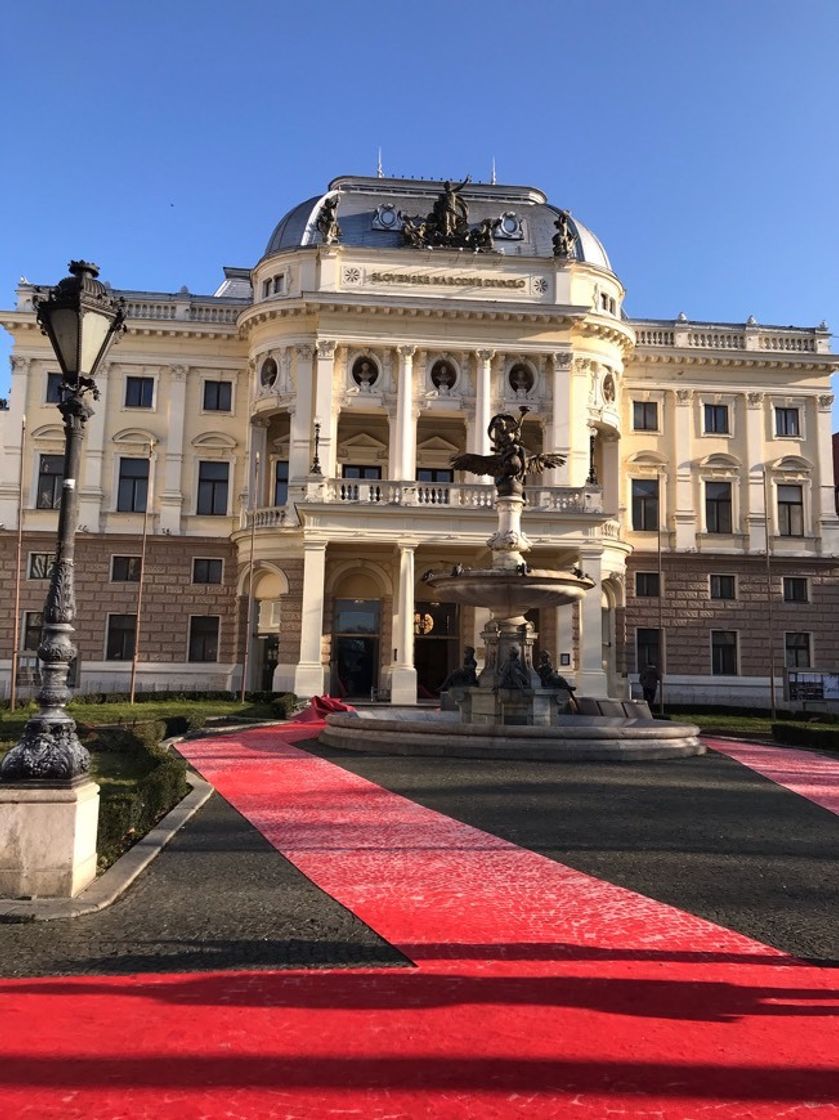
(649, 678)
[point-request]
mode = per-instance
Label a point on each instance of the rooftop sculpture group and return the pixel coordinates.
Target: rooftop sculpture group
(447, 226)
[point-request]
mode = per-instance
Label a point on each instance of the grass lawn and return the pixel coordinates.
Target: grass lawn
(725, 724)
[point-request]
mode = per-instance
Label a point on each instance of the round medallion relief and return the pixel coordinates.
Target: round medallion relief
(608, 388)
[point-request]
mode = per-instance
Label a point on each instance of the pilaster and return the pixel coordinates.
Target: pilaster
(684, 506)
(326, 412)
(824, 503)
(754, 491)
(559, 427)
(300, 443)
(171, 495)
(308, 676)
(405, 420)
(403, 675)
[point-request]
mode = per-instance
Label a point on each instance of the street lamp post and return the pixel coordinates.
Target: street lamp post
(315, 468)
(81, 320)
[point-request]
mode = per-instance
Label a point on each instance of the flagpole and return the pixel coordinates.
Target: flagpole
(18, 558)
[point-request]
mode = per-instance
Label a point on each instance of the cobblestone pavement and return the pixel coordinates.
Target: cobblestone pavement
(219, 896)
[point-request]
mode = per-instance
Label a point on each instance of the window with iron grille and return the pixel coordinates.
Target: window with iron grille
(787, 422)
(645, 504)
(647, 585)
(716, 419)
(212, 489)
(795, 589)
(790, 511)
(50, 478)
(724, 653)
(206, 570)
(139, 392)
(132, 493)
(645, 416)
(122, 633)
(718, 507)
(203, 638)
(33, 624)
(126, 569)
(797, 651)
(40, 565)
(218, 396)
(723, 587)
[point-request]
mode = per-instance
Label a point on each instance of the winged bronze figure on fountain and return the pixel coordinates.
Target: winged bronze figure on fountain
(509, 464)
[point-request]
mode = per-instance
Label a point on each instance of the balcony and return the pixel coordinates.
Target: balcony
(385, 494)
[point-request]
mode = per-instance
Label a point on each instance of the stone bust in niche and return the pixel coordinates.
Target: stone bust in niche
(521, 380)
(364, 374)
(443, 377)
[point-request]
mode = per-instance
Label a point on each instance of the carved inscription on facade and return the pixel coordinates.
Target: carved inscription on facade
(443, 281)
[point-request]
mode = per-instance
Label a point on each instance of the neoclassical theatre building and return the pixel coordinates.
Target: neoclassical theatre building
(290, 437)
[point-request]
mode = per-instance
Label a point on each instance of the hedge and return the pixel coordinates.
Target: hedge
(126, 814)
(806, 735)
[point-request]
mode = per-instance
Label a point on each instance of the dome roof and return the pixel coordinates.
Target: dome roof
(366, 205)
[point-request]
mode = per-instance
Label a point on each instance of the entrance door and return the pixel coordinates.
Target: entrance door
(436, 646)
(268, 651)
(355, 662)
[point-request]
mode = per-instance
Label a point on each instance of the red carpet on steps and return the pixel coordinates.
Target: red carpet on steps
(538, 991)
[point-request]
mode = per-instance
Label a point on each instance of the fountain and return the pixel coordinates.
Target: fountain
(513, 709)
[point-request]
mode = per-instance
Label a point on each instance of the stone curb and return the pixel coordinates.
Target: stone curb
(110, 885)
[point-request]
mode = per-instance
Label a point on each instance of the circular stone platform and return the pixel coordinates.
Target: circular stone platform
(412, 731)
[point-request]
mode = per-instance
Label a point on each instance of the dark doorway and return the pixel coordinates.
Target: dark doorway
(355, 662)
(436, 646)
(268, 651)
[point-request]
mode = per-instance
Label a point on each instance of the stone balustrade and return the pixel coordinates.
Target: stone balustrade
(185, 308)
(681, 334)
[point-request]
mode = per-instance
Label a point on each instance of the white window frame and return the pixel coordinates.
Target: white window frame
(721, 475)
(727, 399)
(118, 456)
(190, 617)
(738, 647)
(48, 403)
(210, 379)
(649, 572)
(797, 602)
(799, 403)
(204, 458)
(809, 634)
(122, 556)
(108, 617)
(636, 398)
(133, 408)
(718, 599)
(192, 571)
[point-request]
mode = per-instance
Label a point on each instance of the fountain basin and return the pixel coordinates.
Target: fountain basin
(412, 731)
(507, 593)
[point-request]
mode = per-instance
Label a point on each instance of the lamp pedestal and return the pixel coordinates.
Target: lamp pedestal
(49, 838)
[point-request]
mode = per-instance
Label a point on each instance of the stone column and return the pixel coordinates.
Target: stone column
(10, 460)
(259, 445)
(393, 455)
(90, 492)
(591, 679)
(405, 422)
(684, 505)
(483, 400)
(577, 467)
(171, 494)
(559, 430)
(403, 675)
(610, 481)
(300, 443)
(308, 676)
(325, 410)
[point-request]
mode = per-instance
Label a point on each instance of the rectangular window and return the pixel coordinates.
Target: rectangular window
(54, 383)
(648, 645)
(716, 419)
(279, 284)
(266, 289)
(40, 565)
(125, 569)
(795, 589)
(203, 638)
(435, 474)
(33, 624)
(797, 651)
(122, 632)
(139, 392)
(723, 587)
(218, 396)
(212, 489)
(280, 482)
(790, 511)
(786, 422)
(355, 471)
(206, 570)
(133, 490)
(50, 478)
(645, 416)
(718, 507)
(645, 504)
(647, 585)
(724, 653)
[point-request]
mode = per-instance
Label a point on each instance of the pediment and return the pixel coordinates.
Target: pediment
(49, 431)
(439, 445)
(363, 442)
(134, 435)
(218, 441)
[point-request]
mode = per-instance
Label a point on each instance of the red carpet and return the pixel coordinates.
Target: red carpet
(539, 991)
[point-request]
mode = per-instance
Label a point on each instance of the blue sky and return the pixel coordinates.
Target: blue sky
(164, 140)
